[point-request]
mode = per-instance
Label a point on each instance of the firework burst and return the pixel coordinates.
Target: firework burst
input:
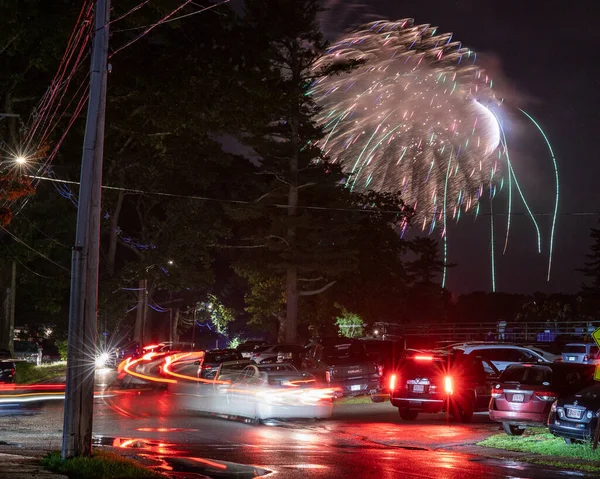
(413, 118)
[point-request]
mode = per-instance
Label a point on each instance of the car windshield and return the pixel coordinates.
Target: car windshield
(271, 368)
(344, 351)
(220, 357)
(534, 375)
(575, 348)
(26, 347)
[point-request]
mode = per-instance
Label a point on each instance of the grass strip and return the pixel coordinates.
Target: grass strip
(353, 400)
(102, 465)
(28, 373)
(540, 441)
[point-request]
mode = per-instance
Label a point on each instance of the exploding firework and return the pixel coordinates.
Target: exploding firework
(414, 118)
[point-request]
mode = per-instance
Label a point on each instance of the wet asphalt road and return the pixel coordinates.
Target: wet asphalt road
(367, 440)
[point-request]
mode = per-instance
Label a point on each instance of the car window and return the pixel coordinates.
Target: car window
(488, 369)
(575, 348)
(222, 357)
(344, 351)
(534, 375)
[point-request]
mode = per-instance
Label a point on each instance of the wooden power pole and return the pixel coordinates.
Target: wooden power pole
(79, 394)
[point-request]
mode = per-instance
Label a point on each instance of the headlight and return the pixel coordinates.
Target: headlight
(590, 414)
(102, 360)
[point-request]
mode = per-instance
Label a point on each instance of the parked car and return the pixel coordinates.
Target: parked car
(8, 371)
(248, 347)
(583, 353)
(502, 354)
(525, 392)
(386, 353)
(268, 355)
(28, 351)
(574, 417)
(210, 362)
(343, 363)
(453, 382)
(292, 354)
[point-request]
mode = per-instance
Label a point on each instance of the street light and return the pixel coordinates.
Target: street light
(21, 160)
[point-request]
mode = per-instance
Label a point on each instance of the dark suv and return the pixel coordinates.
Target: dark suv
(210, 362)
(456, 383)
(343, 363)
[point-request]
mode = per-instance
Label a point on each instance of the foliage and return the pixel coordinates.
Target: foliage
(213, 310)
(28, 373)
(350, 325)
(61, 345)
(235, 342)
(102, 465)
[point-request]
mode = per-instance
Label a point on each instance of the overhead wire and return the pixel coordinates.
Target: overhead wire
(19, 240)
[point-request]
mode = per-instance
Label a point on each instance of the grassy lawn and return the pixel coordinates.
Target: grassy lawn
(540, 441)
(353, 400)
(102, 465)
(28, 373)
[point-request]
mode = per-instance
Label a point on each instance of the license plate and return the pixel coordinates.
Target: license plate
(572, 358)
(518, 397)
(574, 413)
(418, 388)
(355, 387)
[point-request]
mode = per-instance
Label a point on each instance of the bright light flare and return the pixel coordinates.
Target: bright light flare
(101, 360)
(21, 160)
(448, 388)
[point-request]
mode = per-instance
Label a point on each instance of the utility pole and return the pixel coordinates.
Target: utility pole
(11, 312)
(79, 393)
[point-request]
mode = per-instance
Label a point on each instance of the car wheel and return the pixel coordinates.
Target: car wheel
(408, 414)
(512, 430)
(378, 398)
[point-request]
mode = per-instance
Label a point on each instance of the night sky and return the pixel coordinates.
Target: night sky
(544, 55)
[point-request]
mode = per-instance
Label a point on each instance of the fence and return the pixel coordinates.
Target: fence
(511, 331)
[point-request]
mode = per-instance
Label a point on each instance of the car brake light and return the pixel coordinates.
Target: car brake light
(448, 385)
(392, 382)
(424, 358)
(546, 395)
(327, 376)
(206, 366)
(497, 393)
(380, 369)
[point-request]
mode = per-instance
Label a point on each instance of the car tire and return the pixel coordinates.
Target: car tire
(377, 398)
(408, 414)
(463, 410)
(511, 430)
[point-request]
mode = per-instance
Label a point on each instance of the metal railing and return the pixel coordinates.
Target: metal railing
(510, 331)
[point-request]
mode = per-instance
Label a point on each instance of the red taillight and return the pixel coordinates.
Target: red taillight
(424, 358)
(546, 395)
(327, 376)
(497, 393)
(380, 370)
(448, 385)
(392, 382)
(206, 366)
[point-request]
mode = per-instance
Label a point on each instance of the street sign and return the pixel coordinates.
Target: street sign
(596, 336)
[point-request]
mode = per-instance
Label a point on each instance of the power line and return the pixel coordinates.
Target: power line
(19, 240)
(28, 268)
(279, 205)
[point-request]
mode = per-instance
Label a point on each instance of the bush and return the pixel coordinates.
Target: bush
(62, 349)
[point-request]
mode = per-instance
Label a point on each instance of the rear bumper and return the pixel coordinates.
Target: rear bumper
(420, 404)
(519, 418)
(582, 434)
(355, 387)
